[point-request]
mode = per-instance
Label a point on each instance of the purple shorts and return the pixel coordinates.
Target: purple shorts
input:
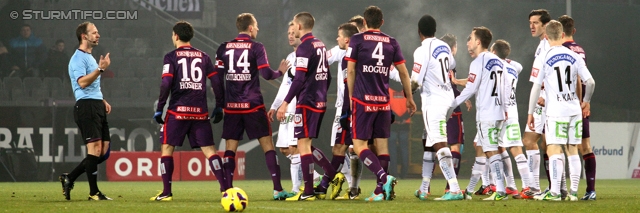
(370, 121)
(307, 122)
(455, 129)
(344, 137)
(175, 129)
(585, 128)
(255, 122)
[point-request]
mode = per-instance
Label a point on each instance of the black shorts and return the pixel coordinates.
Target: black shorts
(91, 117)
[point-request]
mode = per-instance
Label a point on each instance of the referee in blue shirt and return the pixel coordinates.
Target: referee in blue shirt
(90, 111)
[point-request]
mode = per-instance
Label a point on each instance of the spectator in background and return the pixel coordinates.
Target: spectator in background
(27, 53)
(57, 62)
(4, 61)
(399, 135)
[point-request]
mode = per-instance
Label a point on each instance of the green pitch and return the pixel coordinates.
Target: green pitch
(190, 197)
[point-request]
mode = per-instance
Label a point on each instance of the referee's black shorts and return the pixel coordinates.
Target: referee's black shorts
(91, 117)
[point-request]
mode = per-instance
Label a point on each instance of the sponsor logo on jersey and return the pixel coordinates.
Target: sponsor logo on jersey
(492, 63)
(439, 50)
(534, 72)
(321, 104)
(472, 77)
(239, 45)
(189, 53)
(417, 67)
(191, 117)
(329, 53)
(376, 38)
(377, 108)
(560, 57)
(512, 72)
(245, 105)
(302, 62)
(188, 109)
(376, 98)
(219, 63)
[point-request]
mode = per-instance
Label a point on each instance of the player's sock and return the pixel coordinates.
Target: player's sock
(590, 171)
(356, 170)
(525, 173)
(557, 166)
(337, 161)
(508, 169)
(166, 170)
(546, 167)
(534, 166)
(446, 165)
(384, 162)
(485, 171)
(295, 175)
(229, 167)
(346, 170)
(456, 157)
(563, 179)
(306, 164)
(215, 163)
(329, 171)
(497, 168)
(91, 168)
(75, 173)
(428, 163)
(370, 160)
(575, 171)
(476, 173)
(274, 169)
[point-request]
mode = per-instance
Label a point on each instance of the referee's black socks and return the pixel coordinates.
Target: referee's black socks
(77, 171)
(91, 167)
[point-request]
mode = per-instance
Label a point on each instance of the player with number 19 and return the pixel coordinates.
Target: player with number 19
(560, 70)
(240, 61)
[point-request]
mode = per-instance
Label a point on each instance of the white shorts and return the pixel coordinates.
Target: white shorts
(285, 132)
(435, 123)
(510, 134)
(538, 120)
(564, 130)
(489, 131)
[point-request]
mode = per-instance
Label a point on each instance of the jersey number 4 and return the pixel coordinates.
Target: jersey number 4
(196, 72)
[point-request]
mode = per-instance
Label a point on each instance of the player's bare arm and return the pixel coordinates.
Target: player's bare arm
(406, 85)
(533, 97)
(459, 82)
(351, 79)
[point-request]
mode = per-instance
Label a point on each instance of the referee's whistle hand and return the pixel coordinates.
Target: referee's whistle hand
(105, 61)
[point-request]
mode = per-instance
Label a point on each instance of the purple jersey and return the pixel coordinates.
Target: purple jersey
(241, 60)
(184, 76)
(312, 75)
(456, 92)
(373, 52)
(573, 46)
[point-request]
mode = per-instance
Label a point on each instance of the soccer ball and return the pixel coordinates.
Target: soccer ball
(234, 200)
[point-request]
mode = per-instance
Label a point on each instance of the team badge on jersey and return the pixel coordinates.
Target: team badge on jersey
(302, 62)
(534, 72)
(417, 67)
(165, 69)
(472, 77)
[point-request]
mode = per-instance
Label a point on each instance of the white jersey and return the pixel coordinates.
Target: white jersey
(336, 54)
(543, 47)
(431, 72)
(559, 74)
(512, 69)
(485, 81)
(285, 85)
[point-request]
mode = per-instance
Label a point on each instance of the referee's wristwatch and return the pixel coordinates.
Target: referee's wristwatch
(101, 70)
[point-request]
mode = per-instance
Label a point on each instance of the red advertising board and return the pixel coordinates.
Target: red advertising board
(145, 166)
